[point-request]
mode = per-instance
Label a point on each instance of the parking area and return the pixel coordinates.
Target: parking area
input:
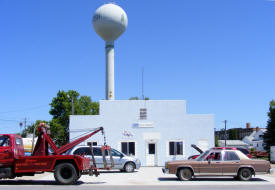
(151, 176)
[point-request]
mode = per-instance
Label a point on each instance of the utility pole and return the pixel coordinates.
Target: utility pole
(142, 83)
(25, 123)
(21, 124)
(225, 133)
(72, 106)
(33, 135)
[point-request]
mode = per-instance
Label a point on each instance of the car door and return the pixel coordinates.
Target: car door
(211, 165)
(83, 151)
(231, 163)
(118, 159)
(98, 157)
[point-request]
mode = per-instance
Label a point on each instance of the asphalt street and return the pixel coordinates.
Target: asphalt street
(79, 187)
(145, 178)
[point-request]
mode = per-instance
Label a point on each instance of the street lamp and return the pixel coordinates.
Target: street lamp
(72, 101)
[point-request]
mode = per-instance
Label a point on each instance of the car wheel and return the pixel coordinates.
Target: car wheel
(245, 174)
(184, 174)
(129, 167)
(65, 174)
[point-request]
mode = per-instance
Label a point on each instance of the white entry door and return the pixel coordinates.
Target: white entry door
(151, 157)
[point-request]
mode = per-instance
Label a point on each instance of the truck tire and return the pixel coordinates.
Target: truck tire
(65, 174)
(245, 174)
(184, 174)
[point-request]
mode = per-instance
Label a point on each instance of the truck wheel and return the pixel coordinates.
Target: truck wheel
(184, 174)
(65, 174)
(129, 167)
(245, 174)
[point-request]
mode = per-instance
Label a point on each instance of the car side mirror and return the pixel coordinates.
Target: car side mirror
(121, 156)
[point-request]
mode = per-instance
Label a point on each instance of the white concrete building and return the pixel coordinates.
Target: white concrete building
(152, 130)
(255, 139)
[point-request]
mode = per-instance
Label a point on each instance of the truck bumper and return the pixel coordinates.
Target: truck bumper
(165, 170)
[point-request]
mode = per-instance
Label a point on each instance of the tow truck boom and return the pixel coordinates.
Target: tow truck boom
(41, 147)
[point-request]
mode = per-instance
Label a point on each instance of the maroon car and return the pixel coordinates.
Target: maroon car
(218, 162)
(242, 149)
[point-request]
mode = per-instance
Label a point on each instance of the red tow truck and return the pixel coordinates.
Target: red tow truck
(67, 169)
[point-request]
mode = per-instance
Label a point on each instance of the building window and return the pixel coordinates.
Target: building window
(176, 148)
(128, 148)
(92, 143)
(143, 114)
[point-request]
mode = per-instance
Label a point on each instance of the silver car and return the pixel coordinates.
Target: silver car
(122, 162)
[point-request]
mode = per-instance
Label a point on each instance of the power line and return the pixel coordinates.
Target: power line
(26, 109)
(11, 120)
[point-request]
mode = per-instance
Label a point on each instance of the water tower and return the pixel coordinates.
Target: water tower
(109, 22)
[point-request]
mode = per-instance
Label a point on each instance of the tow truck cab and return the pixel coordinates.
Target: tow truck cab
(11, 148)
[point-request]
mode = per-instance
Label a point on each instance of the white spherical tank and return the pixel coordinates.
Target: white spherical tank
(109, 22)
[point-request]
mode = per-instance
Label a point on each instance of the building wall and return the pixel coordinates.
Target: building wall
(166, 121)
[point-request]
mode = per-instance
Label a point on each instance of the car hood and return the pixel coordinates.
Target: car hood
(129, 158)
(197, 148)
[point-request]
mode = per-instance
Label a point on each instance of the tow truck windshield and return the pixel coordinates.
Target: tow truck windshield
(4, 141)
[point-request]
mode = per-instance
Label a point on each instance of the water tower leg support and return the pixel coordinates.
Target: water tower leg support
(110, 89)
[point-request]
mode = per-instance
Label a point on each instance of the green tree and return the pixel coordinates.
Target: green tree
(134, 98)
(269, 135)
(58, 132)
(61, 109)
(137, 98)
(233, 134)
(216, 141)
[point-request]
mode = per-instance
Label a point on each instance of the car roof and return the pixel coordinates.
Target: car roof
(86, 146)
(241, 155)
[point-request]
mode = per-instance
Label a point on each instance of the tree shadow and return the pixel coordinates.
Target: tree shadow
(113, 171)
(212, 179)
(40, 182)
(27, 182)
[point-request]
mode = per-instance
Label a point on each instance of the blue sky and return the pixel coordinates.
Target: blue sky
(218, 55)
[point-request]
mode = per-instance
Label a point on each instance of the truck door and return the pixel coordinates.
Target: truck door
(5, 147)
(18, 147)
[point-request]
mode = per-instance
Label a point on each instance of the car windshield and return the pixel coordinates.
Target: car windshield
(4, 141)
(116, 153)
(202, 156)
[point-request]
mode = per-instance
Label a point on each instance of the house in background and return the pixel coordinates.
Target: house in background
(240, 132)
(232, 143)
(255, 139)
